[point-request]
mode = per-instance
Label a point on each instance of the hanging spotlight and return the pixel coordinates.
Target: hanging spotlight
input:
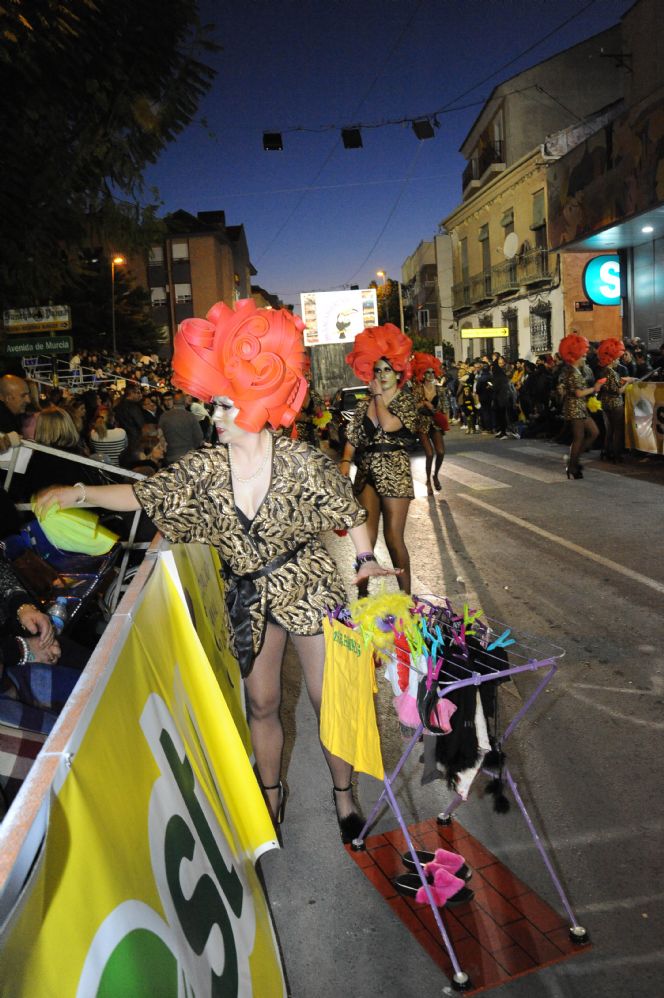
(423, 128)
(351, 138)
(272, 142)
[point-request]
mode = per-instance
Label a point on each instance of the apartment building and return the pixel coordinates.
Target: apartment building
(200, 261)
(505, 275)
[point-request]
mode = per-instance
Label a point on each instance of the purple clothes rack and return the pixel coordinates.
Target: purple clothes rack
(525, 654)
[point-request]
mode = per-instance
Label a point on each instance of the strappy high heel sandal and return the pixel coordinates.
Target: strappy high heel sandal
(353, 823)
(278, 815)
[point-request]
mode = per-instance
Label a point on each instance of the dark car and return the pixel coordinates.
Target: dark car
(342, 405)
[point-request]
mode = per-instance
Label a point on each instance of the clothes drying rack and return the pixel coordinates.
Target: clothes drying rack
(524, 654)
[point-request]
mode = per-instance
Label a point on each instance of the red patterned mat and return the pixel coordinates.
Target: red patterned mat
(505, 932)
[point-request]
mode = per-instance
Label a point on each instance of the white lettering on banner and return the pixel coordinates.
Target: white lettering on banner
(609, 273)
(210, 926)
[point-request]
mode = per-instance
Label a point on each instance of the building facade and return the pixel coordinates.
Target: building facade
(199, 262)
(505, 274)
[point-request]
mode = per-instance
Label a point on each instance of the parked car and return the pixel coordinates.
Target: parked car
(341, 407)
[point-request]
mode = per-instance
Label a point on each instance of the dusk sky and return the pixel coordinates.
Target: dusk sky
(318, 216)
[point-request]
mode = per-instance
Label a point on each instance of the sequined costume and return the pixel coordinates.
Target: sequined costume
(276, 565)
(425, 415)
(571, 379)
(381, 457)
(609, 394)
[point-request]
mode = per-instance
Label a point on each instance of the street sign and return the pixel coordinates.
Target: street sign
(601, 279)
(500, 332)
(30, 346)
(37, 319)
(583, 306)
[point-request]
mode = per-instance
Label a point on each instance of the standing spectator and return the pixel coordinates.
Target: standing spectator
(502, 397)
(14, 399)
(150, 410)
(181, 428)
(130, 416)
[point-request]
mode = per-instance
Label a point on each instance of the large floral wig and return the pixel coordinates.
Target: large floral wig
(572, 347)
(254, 356)
(381, 341)
(422, 362)
(609, 350)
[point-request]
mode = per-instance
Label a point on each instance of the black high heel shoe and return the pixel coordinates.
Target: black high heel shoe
(278, 815)
(350, 826)
(578, 473)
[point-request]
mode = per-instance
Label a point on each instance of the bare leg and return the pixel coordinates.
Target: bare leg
(370, 500)
(311, 653)
(395, 512)
(263, 688)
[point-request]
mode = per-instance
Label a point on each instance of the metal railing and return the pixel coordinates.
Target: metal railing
(531, 267)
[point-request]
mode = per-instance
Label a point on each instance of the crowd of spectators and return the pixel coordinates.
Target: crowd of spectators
(491, 395)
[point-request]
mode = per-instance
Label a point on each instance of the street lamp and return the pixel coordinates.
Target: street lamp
(116, 261)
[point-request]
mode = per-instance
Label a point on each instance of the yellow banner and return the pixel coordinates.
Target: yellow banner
(146, 884)
(199, 573)
(644, 417)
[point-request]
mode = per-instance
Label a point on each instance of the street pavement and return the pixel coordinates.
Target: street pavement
(578, 563)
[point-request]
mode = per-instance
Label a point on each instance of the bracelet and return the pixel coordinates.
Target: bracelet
(345, 461)
(363, 559)
(30, 606)
(27, 655)
(84, 495)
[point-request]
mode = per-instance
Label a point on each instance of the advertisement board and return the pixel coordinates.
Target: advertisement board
(145, 884)
(337, 316)
(37, 319)
(644, 417)
(500, 332)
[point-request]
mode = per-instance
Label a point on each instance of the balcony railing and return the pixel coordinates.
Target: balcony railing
(532, 267)
(480, 287)
(490, 154)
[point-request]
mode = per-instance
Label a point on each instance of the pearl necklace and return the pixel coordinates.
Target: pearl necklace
(268, 451)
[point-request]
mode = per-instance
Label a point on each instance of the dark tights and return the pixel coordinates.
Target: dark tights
(584, 434)
(614, 432)
(433, 441)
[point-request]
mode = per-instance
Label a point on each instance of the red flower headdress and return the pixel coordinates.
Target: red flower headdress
(381, 341)
(609, 350)
(572, 347)
(253, 356)
(421, 364)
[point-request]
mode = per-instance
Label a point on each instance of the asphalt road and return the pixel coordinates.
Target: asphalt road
(577, 563)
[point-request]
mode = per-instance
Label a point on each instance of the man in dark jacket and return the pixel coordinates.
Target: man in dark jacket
(14, 399)
(130, 416)
(181, 428)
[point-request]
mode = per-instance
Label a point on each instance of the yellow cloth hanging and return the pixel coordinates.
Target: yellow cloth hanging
(76, 530)
(348, 715)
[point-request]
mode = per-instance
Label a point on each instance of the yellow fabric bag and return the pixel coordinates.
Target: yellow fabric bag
(77, 530)
(348, 726)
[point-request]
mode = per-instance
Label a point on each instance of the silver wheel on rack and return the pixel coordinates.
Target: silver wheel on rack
(579, 935)
(461, 982)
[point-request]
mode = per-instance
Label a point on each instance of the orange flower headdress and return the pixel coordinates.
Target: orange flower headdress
(572, 347)
(422, 362)
(609, 350)
(381, 341)
(254, 356)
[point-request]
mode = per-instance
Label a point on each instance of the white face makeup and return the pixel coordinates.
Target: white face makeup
(384, 374)
(223, 417)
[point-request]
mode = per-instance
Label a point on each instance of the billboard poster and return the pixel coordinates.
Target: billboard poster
(337, 316)
(39, 319)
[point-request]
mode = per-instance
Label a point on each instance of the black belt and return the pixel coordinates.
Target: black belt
(241, 596)
(383, 448)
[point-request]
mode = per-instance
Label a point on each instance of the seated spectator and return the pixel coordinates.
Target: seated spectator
(33, 685)
(152, 453)
(54, 428)
(108, 441)
(181, 429)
